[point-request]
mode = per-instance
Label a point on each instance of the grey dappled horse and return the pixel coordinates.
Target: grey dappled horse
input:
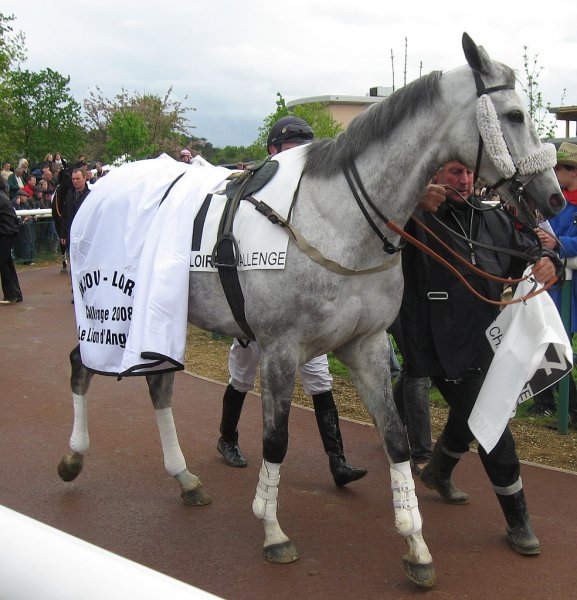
(307, 310)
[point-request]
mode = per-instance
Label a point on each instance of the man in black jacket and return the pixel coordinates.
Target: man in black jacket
(444, 326)
(8, 234)
(75, 197)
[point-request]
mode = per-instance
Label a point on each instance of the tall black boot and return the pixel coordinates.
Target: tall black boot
(227, 445)
(328, 422)
(519, 532)
(437, 475)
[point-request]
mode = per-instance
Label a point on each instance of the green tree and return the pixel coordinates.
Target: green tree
(127, 135)
(164, 118)
(316, 114)
(538, 109)
(12, 53)
(12, 45)
(45, 117)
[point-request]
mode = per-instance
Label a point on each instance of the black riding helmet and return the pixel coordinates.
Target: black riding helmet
(289, 129)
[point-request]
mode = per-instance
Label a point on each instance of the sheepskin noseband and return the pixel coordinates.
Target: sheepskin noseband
(496, 147)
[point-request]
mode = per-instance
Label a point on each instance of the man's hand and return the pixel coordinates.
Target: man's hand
(544, 270)
(433, 197)
(547, 240)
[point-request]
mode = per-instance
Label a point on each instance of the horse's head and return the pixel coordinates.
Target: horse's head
(509, 157)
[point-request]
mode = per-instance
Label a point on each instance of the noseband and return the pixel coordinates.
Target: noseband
(491, 137)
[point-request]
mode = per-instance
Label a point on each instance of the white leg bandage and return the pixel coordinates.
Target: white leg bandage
(174, 461)
(408, 519)
(79, 440)
(264, 504)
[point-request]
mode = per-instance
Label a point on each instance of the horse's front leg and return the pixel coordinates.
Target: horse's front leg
(71, 464)
(160, 389)
(368, 362)
(278, 371)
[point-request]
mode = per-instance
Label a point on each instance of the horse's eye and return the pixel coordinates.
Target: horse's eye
(515, 116)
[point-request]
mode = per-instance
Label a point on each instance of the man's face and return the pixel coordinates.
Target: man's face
(78, 181)
(272, 150)
(457, 176)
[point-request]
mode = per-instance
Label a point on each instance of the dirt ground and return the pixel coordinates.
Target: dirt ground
(207, 357)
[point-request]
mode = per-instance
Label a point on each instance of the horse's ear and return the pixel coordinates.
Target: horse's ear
(476, 56)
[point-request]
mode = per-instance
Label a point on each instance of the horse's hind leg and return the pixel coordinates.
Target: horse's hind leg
(368, 362)
(192, 490)
(71, 464)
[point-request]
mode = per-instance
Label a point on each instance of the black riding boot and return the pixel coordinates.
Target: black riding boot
(519, 531)
(328, 422)
(437, 475)
(232, 403)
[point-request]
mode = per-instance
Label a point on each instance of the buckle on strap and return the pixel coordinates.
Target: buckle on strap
(437, 296)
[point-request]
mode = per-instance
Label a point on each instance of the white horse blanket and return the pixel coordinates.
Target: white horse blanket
(130, 257)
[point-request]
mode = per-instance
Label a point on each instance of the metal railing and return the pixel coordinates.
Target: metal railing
(37, 238)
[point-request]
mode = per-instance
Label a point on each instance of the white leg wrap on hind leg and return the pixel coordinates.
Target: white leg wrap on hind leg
(79, 440)
(408, 520)
(264, 504)
(174, 461)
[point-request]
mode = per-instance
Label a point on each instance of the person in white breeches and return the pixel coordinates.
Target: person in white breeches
(243, 362)
(243, 359)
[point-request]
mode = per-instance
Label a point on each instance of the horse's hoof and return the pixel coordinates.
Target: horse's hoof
(196, 497)
(70, 466)
(421, 574)
(281, 553)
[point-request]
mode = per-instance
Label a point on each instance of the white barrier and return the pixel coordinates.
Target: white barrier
(34, 212)
(39, 561)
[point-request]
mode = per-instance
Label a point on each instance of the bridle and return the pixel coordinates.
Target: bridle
(491, 139)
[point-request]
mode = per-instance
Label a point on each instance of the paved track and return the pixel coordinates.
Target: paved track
(126, 503)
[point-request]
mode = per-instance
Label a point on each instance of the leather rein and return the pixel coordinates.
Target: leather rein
(360, 194)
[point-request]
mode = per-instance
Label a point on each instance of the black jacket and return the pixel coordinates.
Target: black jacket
(446, 337)
(71, 205)
(8, 219)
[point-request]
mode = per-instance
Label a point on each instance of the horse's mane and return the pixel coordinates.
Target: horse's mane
(328, 156)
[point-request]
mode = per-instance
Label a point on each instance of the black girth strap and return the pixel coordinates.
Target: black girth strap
(225, 254)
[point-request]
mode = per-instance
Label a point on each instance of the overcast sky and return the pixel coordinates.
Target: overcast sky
(230, 58)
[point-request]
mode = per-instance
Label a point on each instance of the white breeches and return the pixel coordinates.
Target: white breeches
(243, 362)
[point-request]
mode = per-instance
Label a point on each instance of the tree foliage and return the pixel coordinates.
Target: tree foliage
(12, 45)
(316, 114)
(44, 116)
(163, 118)
(12, 53)
(127, 136)
(538, 109)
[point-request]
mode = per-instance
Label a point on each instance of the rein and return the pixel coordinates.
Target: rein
(351, 173)
(394, 227)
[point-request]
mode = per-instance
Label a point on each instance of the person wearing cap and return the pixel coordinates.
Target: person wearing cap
(286, 133)
(9, 229)
(564, 242)
(185, 155)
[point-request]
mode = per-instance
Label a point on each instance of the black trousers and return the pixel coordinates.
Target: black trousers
(502, 463)
(8, 275)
